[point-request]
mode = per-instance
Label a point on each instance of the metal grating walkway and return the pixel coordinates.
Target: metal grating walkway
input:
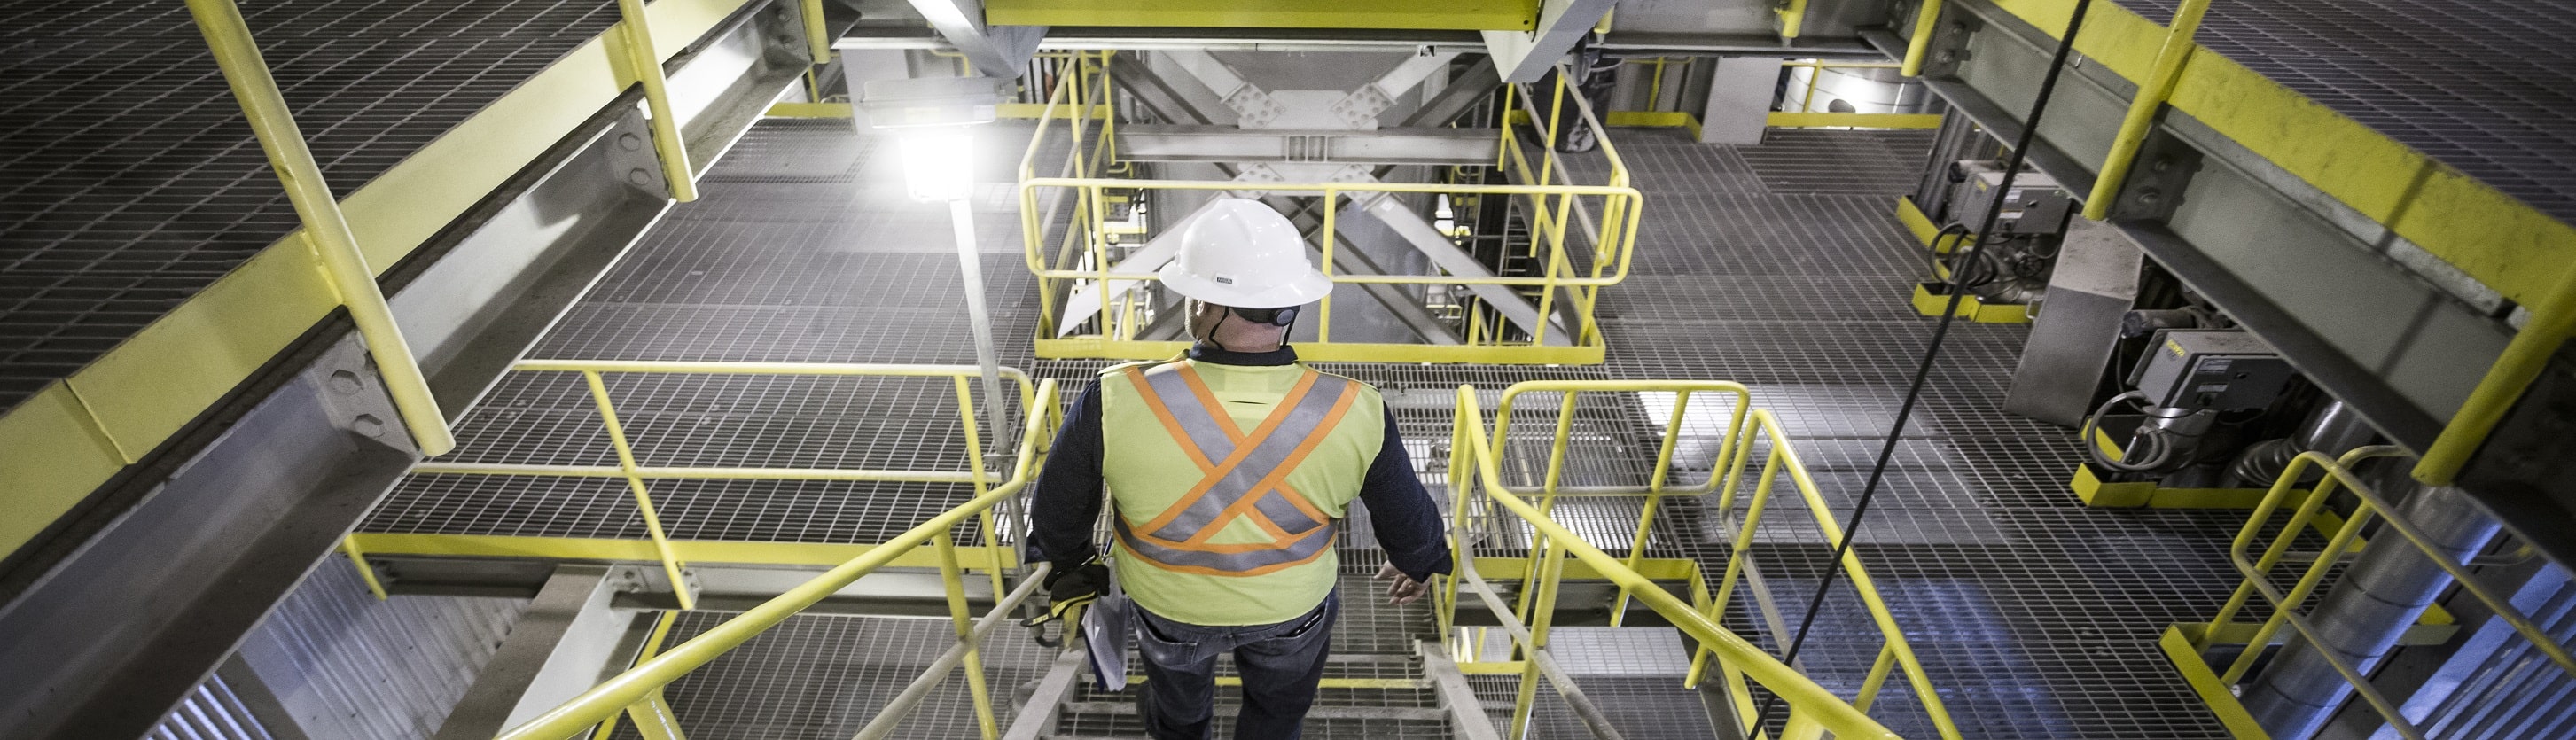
(2484, 88)
(1777, 265)
(132, 181)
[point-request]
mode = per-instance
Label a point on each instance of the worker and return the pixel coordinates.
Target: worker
(1229, 471)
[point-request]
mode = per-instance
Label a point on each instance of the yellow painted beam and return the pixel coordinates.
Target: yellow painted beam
(1660, 569)
(807, 110)
(51, 441)
(381, 544)
(1453, 15)
(1039, 110)
(1854, 120)
(154, 383)
(1092, 348)
(1656, 119)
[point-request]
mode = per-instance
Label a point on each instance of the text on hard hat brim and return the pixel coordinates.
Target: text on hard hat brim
(1298, 291)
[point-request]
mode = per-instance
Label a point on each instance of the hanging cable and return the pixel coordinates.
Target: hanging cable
(1932, 350)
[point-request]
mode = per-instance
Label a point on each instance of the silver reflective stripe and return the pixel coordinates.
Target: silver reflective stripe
(1302, 421)
(1195, 418)
(1304, 547)
(1274, 505)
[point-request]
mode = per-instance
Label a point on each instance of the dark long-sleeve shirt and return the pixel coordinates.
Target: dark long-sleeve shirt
(1067, 501)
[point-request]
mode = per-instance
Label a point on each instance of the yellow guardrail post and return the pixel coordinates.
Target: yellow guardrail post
(645, 65)
(635, 483)
(954, 578)
(1654, 497)
(818, 41)
(1792, 19)
(342, 265)
(653, 717)
(1525, 699)
(2150, 98)
(366, 571)
(2552, 322)
(1926, 18)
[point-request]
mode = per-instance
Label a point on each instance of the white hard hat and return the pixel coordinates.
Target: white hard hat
(1240, 253)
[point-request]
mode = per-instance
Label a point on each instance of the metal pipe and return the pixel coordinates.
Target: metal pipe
(2151, 97)
(2361, 619)
(326, 231)
(2333, 429)
(979, 322)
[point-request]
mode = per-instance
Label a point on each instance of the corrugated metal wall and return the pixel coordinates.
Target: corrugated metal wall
(345, 665)
(2499, 686)
(211, 712)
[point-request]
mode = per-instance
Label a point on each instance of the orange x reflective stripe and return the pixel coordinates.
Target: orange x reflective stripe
(1242, 476)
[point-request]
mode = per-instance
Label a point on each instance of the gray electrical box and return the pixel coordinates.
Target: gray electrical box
(2036, 204)
(2222, 370)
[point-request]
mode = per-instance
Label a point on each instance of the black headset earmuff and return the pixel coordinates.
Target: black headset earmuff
(1271, 316)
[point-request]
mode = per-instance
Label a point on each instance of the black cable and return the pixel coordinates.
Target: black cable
(1959, 231)
(1931, 352)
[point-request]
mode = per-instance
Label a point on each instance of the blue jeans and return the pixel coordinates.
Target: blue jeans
(1280, 664)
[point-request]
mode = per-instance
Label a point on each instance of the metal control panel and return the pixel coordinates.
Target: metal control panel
(2222, 370)
(2035, 205)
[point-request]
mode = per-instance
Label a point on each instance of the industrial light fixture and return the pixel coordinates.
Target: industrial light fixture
(931, 119)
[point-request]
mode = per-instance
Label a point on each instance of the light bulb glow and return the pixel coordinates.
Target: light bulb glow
(938, 162)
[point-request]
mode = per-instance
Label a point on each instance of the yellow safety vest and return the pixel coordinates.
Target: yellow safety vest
(1217, 525)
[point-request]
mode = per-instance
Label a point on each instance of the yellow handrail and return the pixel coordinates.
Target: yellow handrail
(1083, 257)
(1813, 710)
(1897, 652)
(2338, 476)
(614, 695)
(635, 473)
(1728, 463)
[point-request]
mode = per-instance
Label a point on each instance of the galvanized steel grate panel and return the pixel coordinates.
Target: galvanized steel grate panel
(134, 182)
(2485, 89)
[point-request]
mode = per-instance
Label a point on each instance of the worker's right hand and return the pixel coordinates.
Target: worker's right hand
(1404, 590)
(1071, 589)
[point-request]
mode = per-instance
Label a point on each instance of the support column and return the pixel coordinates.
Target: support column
(558, 649)
(1740, 90)
(2385, 590)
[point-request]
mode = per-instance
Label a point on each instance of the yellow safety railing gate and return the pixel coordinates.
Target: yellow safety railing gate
(1583, 235)
(637, 692)
(1481, 495)
(2307, 510)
